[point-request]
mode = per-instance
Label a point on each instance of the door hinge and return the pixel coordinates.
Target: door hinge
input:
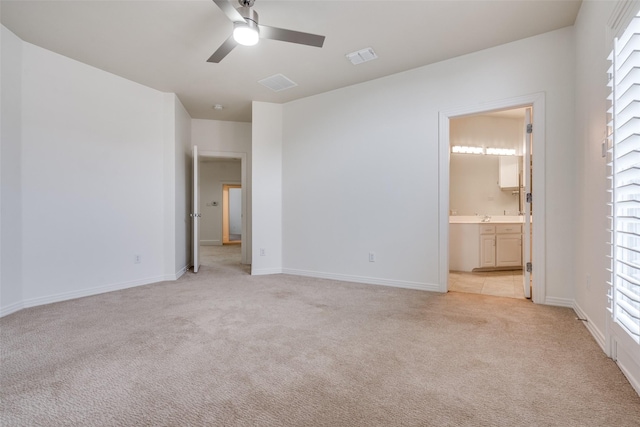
(529, 198)
(529, 267)
(529, 128)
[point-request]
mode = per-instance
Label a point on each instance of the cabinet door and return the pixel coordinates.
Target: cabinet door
(508, 250)
(508, 171)
(488, 250)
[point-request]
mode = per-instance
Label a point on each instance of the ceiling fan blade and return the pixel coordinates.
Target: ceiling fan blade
(229, 10)
(223, 50)
(290, 36)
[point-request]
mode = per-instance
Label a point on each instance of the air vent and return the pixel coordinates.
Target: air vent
(278, 83)
(361, 56)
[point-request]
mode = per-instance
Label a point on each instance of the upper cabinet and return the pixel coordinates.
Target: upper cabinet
(509, 172)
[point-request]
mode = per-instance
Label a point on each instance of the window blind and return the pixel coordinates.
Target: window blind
(623, 142)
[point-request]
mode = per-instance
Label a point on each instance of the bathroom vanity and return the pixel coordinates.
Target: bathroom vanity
(486, 243)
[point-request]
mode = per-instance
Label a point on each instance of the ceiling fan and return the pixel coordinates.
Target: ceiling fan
(247, 31)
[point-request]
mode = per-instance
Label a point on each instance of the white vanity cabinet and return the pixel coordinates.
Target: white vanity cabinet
(500, 245)
(508, 245)
(487, 245)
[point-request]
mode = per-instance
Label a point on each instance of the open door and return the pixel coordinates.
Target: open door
(526, 177)
(195, 215)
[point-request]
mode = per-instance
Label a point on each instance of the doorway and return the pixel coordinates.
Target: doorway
(496, 227)
(487, 182)
(207, 205)
(231, 214)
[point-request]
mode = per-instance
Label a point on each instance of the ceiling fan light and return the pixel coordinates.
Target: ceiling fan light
(246, 35)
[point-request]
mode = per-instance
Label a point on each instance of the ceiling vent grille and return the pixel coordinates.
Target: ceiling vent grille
(278, 83)
(361, 56)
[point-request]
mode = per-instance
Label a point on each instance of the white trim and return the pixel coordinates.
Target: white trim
(626, 353)
(179, 273)
(11, 308)
(265, 271)
(627, 359)
(591, 326)
(558, 302)
(66, 296)
(537, 100)
(362, 279)
(622, 14)
(244, 182)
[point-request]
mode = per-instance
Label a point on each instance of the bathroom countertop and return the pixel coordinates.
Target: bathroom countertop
(478, 219)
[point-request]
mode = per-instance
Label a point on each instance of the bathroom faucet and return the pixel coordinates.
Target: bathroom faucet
(486, 218)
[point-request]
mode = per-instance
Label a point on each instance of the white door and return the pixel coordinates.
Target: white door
(508, 250)
(526, 178)
(195, 215)
(488, 250)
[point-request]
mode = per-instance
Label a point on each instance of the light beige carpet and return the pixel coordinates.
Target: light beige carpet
(223, 348)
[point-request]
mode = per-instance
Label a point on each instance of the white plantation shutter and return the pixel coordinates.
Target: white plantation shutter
(623, 142)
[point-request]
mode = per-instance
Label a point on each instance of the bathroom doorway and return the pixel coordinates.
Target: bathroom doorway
(487, 179)
(488, 219)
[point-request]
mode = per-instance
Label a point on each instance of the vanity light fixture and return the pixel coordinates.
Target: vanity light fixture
(501, 151)
(481, 150)
(467, 150)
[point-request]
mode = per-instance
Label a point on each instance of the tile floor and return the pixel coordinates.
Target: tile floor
(496, 283)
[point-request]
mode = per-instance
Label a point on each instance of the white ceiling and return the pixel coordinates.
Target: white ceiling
(165, 44)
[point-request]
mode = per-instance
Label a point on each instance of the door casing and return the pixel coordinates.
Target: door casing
(537, 101)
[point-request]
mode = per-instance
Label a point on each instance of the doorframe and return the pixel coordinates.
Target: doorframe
(246, 241)
(537, 101)
(226, 186)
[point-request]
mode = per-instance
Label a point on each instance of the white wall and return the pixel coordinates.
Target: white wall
(96, 159)
(488, 131)
(214, 136)
(474, 187)
(182, 191)
(213, 174)
(474, 178)
(592, 48)
(10, 172)
(267, 187)
(591, 94)
(360, 169)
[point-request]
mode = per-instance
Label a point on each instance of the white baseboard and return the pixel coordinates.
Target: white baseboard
(176, 275)
(265, 271)
(65, 296)
(210, 242)
(11, 308)
(80, 293)
(591, 327)
(629, 366)
(181, 272)
(559, 302)
(368, 280)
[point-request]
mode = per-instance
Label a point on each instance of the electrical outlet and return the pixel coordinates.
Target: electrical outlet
(137, 259)
(262, 252)
(372, 257)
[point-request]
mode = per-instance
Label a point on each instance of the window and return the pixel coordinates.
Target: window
(623, 143)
